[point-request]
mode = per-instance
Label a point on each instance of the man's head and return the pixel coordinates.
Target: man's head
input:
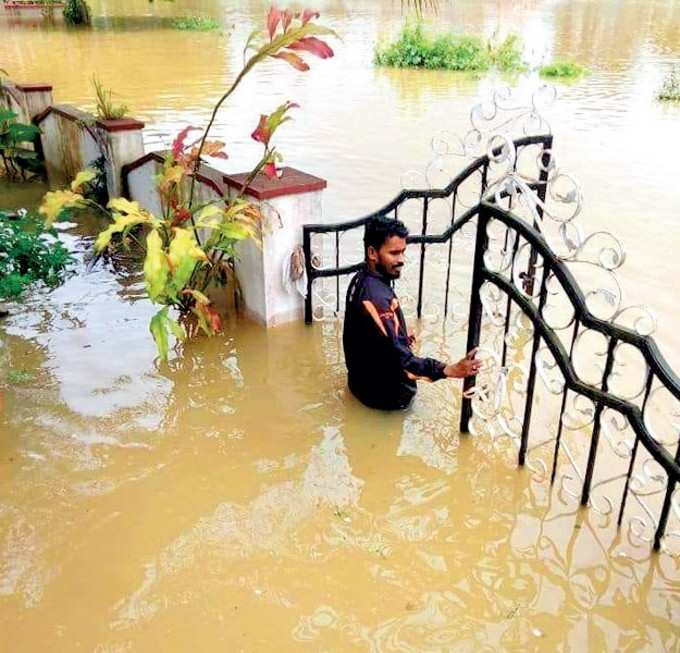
(385, 246)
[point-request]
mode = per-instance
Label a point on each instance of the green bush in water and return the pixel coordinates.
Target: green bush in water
(195, 23)
(563, 70)
(416, 49)
(29, 253)
(670, 90)
(77, 12)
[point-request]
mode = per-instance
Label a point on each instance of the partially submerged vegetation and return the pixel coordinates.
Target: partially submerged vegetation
(189, 247)
(106, 109)
(563, 70)
(29, 253)
(415, 48)
(195, 23)
(77, 12)
(18, 157)
(670, 89)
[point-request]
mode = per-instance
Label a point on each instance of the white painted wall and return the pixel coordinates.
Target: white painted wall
(260, 271)
(67, 147)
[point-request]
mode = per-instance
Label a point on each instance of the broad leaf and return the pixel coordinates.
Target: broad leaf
(6, 114)
(170, 176)
(56, 201)
(21, 133)
(183, 255)
(197, 295)
(156, 267)
(158, 328)
(83, 177)
(293, 60)
(121, 224)
(315, 46)
(121, 205)
(178, 144)
(204, 215)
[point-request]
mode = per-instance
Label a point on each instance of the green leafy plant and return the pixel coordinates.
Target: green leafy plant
(670, 89)
(563, 70)
(414, 48)
(106, 109)
(17, 159)
(19, 377)
(77, 12)
(508, 55)
(29, 253)
(195, 23)
(190, 246)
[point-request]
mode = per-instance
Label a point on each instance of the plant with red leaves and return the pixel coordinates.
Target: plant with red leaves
(191, 246)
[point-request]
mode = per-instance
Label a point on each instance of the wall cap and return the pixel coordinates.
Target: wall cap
(120, 124)
(34, 88)
(291, 182)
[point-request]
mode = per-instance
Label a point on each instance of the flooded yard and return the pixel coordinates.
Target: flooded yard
(238, 498)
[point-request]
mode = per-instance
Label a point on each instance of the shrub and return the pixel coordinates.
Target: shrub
(416, 49)
(77, 12)
(29, 253)
(190, 247)
(563, 70)
(670, 90)
(195, 23)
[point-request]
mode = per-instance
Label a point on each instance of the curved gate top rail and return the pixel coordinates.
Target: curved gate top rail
(479, 165)
(498, 296)
(549, 268)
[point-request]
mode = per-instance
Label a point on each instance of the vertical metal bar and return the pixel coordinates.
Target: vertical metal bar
(541, 192)
(633, 453)
(448, 268)
(506, 326)
(475, 318)
(307, 248)
(562, 408)
(419, 309)
(526, 422)
(337, 276)
(485, 171)
(595, 438)
(663, 519)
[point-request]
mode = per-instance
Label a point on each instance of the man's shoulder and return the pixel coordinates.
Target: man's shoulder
(372, 287)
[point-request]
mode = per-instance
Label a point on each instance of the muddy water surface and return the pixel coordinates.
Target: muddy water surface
(237, 499)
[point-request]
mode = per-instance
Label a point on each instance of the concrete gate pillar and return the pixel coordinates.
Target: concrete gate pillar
(286, 204)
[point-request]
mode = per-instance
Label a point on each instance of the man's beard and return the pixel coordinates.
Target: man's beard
(394, 273)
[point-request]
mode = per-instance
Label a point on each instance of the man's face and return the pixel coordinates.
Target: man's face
(389, 258)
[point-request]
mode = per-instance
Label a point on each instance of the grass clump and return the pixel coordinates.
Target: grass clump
(414, 48)
(670, 89)
(195, 23)
(563, 70)
(106, 109)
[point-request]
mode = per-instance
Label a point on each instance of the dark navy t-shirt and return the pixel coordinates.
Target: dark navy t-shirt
(381, 368)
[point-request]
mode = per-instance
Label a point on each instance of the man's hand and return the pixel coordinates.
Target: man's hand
(468, 366)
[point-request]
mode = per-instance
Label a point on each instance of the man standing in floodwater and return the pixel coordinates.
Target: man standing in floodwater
(382, 370)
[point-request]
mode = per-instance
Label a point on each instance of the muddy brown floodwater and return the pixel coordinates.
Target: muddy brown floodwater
(238, 499)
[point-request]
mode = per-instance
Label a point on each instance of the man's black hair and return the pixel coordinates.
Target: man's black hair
(379, 229)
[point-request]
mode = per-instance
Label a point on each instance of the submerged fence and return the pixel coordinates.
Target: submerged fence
(616, 435)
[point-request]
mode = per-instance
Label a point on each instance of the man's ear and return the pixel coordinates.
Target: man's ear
(372, 254)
